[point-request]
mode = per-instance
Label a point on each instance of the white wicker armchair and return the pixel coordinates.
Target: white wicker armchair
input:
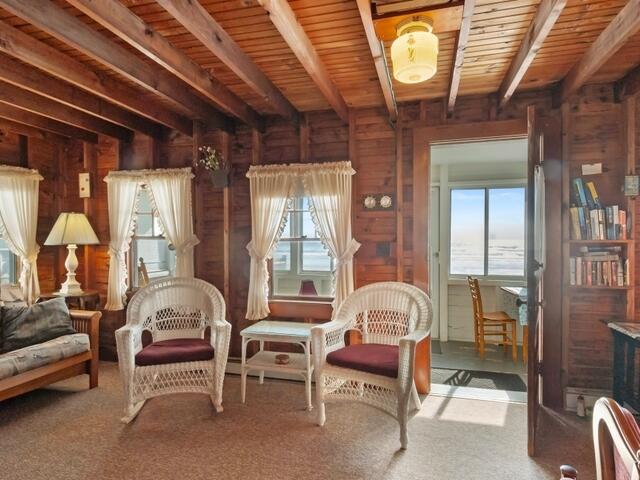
(176, 311)
(392, 318)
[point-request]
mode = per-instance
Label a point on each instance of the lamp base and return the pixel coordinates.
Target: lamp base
(71, 286)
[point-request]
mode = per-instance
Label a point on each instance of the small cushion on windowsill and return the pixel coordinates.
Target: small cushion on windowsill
(176, 350)
(367, 357)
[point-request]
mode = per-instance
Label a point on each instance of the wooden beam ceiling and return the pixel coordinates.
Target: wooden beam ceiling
(31, 102)
(379, 59)
(136, 32)
(629, 85)
(461, 45)
(38, 121)
(74, 32)
(29, 131)
(38, 54)
(34, 80)
(284, 19)
(201, 25)
(623, 26)
(546, 17)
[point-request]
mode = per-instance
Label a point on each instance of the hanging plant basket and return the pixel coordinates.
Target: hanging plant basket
(220, 177)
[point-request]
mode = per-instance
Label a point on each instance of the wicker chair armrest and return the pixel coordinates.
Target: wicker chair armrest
(407, 354)
(220, 335)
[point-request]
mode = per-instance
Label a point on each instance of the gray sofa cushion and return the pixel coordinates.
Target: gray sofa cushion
(34, 356)
(38, 323)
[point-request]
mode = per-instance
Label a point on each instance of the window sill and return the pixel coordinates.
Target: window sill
(490, 282)
(317, 309)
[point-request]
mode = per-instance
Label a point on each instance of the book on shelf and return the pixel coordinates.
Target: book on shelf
(599, 266)
(590, 220)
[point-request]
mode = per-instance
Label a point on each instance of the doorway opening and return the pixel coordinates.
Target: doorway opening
(478, 230)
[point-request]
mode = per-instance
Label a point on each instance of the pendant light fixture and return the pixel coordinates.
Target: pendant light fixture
(414, 53)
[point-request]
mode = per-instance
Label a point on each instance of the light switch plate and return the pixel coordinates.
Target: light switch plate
(84, 184)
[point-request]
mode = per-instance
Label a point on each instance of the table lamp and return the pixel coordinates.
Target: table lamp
(71, 229)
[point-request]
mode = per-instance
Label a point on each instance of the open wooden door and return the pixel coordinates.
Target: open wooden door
(535, 259)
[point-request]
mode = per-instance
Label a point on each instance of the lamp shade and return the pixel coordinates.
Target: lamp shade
(414, 54)
(72, 229)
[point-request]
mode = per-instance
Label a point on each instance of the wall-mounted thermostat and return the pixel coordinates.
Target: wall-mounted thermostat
(84, 183)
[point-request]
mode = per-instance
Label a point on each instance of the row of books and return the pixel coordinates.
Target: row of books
(608, 223)
(590, 220)
(602, 266)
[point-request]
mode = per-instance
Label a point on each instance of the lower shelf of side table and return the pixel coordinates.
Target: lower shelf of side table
(266, 360)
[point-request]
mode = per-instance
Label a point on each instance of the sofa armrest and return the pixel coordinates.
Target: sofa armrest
(88, 322)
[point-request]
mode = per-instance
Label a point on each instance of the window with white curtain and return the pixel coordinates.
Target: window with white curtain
(148, 246)
(301, 265)
(9, 265)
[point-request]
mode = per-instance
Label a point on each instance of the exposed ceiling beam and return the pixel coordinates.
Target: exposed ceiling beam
(29, 131)
(379, 59)
(200, 23)
(284, 19)
(26, 100)
(74, 32)
(117, 18)
(38, 54)
(623, 26)
(34, 80)
(461, 45)
(546, 17)
(629, 84)
(38, 121)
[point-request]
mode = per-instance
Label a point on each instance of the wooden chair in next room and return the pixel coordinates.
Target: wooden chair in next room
(495, 328)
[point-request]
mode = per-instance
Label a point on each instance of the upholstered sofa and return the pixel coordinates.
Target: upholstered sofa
(35, 366)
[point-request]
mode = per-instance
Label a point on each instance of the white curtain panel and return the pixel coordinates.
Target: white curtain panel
(19, 223)
(329, 188)
(270, 190)
(122, 192)
(171, 197)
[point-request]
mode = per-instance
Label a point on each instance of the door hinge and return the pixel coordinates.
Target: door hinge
(540, 368)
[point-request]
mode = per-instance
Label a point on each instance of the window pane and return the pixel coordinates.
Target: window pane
(506, 231)
(282, 256)
(144, 202)
(155, 253)
(144, 225)
(308, 228)
(7, 264)
(467, 232)
(315, 258)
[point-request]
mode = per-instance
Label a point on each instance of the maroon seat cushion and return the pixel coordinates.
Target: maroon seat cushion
(174, 351)
(368, 357)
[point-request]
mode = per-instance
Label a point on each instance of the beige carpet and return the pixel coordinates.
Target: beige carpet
(68, 432)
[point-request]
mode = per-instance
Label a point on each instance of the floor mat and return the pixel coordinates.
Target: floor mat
(477, 379)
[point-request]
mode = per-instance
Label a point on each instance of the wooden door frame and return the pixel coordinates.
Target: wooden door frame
(423, 138)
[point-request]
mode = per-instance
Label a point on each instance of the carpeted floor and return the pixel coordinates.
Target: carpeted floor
(473, 378)
(68, 432)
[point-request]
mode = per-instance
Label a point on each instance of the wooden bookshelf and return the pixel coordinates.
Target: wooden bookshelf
(584, 334)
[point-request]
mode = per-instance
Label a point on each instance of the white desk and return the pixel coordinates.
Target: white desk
(265, 360)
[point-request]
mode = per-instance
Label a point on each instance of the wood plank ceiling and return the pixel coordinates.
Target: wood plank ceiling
(503, 48)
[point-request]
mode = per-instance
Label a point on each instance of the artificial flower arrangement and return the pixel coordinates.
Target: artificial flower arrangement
(213, 161)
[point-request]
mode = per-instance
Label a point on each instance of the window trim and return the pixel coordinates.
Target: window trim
(132, 252)
(296, 255)
(14, 273)
(486, 185)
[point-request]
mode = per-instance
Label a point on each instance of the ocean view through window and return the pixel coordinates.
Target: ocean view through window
(488, 231)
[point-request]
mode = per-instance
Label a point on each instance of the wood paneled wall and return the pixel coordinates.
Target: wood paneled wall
(383, 159)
